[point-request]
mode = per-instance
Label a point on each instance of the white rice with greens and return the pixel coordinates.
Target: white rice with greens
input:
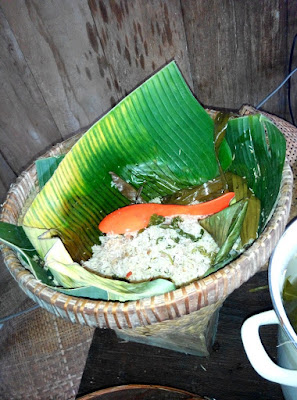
(175, 248)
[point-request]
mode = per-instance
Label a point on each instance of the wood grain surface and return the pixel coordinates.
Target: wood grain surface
(6, 177)
(26, 125)
(63, 65)
(225, 375)
(240, 47)
(139, 37)
(59, 54)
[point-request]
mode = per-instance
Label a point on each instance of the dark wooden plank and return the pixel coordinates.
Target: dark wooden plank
(26, 125)
(7, 176)
(3, 191)
(225, 375)
(138, 37)
(62, 49)
(238, 51)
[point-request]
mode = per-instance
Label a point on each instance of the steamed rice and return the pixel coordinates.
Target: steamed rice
(181, 255)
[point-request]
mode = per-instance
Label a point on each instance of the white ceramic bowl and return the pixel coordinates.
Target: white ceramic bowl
(285, 373)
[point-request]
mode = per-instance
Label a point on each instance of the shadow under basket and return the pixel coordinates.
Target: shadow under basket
(182, 320)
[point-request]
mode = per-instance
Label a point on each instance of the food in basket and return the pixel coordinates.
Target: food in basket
(176, 248)
(158, 140)
(148, 241)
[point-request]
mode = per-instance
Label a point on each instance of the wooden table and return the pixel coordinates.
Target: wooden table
(225, 375)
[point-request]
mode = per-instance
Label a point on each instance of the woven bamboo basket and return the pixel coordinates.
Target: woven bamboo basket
(196, 302)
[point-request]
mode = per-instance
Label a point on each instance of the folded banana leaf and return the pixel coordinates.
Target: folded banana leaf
(225, 228)
(15, 237)
(161, 140)
(259, 150)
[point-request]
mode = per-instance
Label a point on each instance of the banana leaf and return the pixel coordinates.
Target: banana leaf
(127, 190)
(45, 167)
(225, 228)
(158, 135)
(15, 237)
(259, 150)
(160, 139)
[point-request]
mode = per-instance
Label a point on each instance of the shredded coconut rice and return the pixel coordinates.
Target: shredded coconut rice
(178, 249)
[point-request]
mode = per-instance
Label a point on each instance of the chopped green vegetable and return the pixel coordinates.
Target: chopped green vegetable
(174, 224)
(210, 255)
(156, 220)
(169, 256)
(159, 239)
